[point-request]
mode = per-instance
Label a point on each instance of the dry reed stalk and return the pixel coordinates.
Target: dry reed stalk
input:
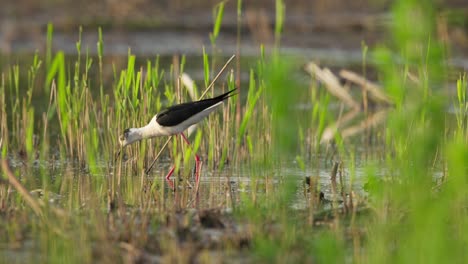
(332, 84)
(330, 131)
(374, 90)
(333, 173)
(342, 191)
(336, 89)
(157, 156)
(188, 83)
(371, 121)
(21, 189)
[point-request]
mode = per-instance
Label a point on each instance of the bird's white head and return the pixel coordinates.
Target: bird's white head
(129, 136)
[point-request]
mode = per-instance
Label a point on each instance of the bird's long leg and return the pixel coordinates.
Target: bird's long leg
(197, 161)
(168, 177)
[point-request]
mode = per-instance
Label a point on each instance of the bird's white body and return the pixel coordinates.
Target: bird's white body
(154, 129)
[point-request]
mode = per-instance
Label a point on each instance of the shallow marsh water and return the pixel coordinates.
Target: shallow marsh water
(204, 221)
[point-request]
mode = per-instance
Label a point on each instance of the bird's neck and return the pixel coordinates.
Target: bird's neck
(148, 131)
(142, 132)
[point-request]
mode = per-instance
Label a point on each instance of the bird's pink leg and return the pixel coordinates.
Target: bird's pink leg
(197, 161)
(197, 170)
(168, 177)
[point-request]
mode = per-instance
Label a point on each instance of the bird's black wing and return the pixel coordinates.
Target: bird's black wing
(177, 114)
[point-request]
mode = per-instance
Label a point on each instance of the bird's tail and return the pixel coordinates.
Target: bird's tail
(226, 95)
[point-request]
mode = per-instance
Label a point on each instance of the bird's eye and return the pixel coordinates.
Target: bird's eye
(125, 134)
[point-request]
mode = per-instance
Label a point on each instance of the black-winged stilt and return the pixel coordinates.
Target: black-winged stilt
(174, 120)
